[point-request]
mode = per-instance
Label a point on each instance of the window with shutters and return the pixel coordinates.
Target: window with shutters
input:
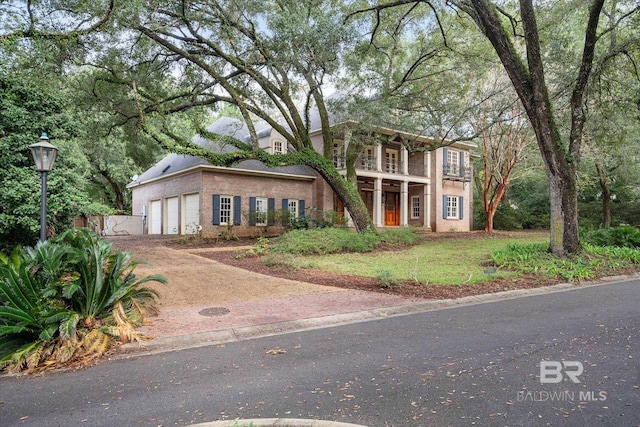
(293, 209)
(453, 162)
(452, 207)
(261, 211)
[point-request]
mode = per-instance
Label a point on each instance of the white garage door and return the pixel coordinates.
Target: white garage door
(172, 215)
(155, 217)
(191, 219)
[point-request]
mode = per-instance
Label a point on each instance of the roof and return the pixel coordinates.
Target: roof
(179, 163)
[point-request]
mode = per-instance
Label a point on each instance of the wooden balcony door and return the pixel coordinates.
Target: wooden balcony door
(391, 209)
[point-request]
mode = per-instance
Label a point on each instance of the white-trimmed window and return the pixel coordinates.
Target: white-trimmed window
(226, 210)
(391, 158)
(261, 211)
(278, 147)
(453, 162)
(415, 207)
(293, 209)
(452, 207)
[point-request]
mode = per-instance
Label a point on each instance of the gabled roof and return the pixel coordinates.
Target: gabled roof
(179, 163)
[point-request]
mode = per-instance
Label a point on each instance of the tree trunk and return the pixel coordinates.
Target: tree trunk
(564, 214)
(529, 82)
(115, 187)
(606, 197)
(346, 190)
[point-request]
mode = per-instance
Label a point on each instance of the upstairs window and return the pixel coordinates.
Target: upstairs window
(278, 147)
(454, 163)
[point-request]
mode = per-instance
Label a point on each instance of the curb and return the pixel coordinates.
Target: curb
(222, 336)
(276, 422)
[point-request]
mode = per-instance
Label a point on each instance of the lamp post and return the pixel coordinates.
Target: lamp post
(44, 154)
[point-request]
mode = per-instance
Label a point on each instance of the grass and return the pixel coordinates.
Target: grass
(456, 259)
(450, 261)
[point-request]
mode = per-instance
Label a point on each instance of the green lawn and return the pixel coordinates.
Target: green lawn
(449, 261)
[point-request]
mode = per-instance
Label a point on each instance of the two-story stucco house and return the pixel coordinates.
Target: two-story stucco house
(185, 194)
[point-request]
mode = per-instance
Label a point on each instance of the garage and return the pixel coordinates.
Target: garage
(191, 209)
(173, 215)
(155, 217)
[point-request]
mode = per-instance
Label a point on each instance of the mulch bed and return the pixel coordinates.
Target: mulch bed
(238, 257)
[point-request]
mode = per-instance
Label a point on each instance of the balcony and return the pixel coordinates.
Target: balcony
(455, 172)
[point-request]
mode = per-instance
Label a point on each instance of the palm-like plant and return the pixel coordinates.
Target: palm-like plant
(68, 298)
(31, 321)
(105, 281)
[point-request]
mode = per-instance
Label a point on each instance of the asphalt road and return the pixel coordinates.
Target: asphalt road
(473, 365)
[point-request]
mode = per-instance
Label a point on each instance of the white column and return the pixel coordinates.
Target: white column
(377, 203)
(404, 203)
(404, 160)
(378, 157)
(427, 206)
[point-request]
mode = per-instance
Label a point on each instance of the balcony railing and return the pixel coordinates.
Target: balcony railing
(388, 166)
(454, 172)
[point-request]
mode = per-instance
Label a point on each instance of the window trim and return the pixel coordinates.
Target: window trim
(447, 207)
(229, 220)
(262, 215)
(274, 147)
(415, 206)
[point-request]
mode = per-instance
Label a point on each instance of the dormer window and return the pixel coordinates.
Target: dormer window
(278, 147)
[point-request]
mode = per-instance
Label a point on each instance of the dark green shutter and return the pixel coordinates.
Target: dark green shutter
(271, 211)
(216, 209)
(237, 210)
(445, 201)
(461, 157)
(445, 163)
(252, 211)
(460, 206)
(300, 207)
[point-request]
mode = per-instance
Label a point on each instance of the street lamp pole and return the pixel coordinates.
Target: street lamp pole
(44, 154)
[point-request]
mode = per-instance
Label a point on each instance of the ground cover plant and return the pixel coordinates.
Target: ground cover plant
(433, 266)
(68, 300)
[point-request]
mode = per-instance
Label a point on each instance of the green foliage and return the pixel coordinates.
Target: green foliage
(321, 241)
(28, 107)
(325, 241)
(592, 261)
(67, 298)
(386, 279)
(404, 236)
(621, 236)
(97, 209)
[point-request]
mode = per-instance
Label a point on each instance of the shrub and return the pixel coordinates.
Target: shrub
(625, 236)
(322, 241)
(386, 279)
(68, 299)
